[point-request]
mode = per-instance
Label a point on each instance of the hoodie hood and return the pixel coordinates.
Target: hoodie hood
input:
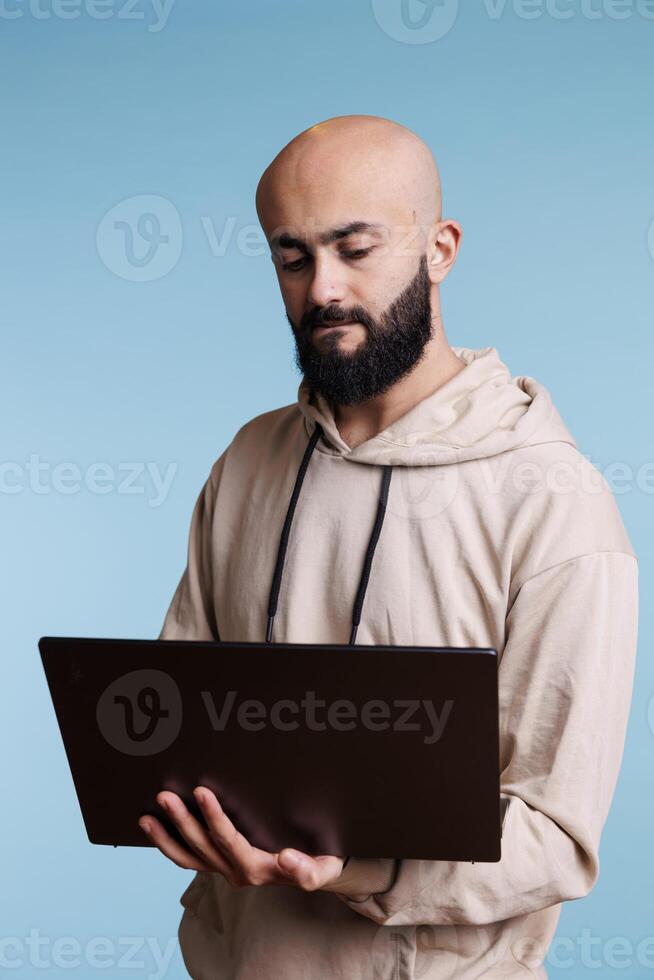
(480, 412)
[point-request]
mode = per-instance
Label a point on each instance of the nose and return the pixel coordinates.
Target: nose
(326, 285)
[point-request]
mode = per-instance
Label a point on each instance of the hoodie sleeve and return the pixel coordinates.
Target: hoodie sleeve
(565, 683)
(191, 614)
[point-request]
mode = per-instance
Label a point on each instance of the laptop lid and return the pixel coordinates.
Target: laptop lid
(364, 750)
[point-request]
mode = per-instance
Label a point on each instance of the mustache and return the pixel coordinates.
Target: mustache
(331, 315)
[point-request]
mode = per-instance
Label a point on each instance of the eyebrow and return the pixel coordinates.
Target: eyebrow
(284, 240)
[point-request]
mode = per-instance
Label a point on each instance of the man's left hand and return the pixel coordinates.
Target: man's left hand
(221, 848)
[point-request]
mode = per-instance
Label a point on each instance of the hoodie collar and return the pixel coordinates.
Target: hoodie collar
(479, 412)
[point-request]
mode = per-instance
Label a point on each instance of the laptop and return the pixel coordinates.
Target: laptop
(359, 750)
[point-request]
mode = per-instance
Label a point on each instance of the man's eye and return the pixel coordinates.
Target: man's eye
(294, 266)
(358, 253)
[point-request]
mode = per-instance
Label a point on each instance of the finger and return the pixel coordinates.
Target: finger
(308, 872)
(194, 833)
(257, 866)
(169, 847)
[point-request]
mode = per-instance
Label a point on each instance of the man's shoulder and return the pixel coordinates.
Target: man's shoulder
(267, 426)
(550, 471)
(264, 434)
(563, 508)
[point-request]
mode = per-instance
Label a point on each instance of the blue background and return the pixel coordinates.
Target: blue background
(542, 127)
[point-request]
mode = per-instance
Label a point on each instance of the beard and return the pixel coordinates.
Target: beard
(394, 345)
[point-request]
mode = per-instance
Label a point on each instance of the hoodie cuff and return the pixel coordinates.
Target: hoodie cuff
(363, 877)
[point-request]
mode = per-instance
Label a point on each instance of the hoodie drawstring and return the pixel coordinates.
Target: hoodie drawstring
(286, 530)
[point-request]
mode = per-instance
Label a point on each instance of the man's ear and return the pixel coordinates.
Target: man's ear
(443, 248)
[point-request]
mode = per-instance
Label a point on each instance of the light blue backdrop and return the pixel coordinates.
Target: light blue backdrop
(540, 114)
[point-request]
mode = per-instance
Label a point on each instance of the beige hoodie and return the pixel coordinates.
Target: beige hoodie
(499, 533)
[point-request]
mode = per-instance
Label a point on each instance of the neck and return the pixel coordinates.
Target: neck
(358, 423)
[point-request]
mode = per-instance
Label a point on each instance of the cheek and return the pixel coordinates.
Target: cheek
(380, 283)
(386, 282)
(294, 297)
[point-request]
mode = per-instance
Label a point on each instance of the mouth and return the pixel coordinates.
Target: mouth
(324, 327)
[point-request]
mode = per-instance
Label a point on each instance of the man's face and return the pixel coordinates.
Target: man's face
(350, 354)
(359, 305)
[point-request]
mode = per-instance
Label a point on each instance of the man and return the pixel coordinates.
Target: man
(496, 532)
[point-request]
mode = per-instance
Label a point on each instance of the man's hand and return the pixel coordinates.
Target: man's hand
(223, 849)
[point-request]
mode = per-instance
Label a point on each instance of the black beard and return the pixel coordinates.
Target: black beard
(394, 345)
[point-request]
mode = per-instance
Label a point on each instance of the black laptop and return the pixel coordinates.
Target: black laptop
(360, 750)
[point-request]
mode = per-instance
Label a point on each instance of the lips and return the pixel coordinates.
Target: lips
(331, 326)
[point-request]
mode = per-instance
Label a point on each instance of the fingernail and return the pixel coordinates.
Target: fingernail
(145, 825)
(200, 795)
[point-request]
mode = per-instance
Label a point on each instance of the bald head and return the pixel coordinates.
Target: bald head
(351, 166)
(351, 209)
